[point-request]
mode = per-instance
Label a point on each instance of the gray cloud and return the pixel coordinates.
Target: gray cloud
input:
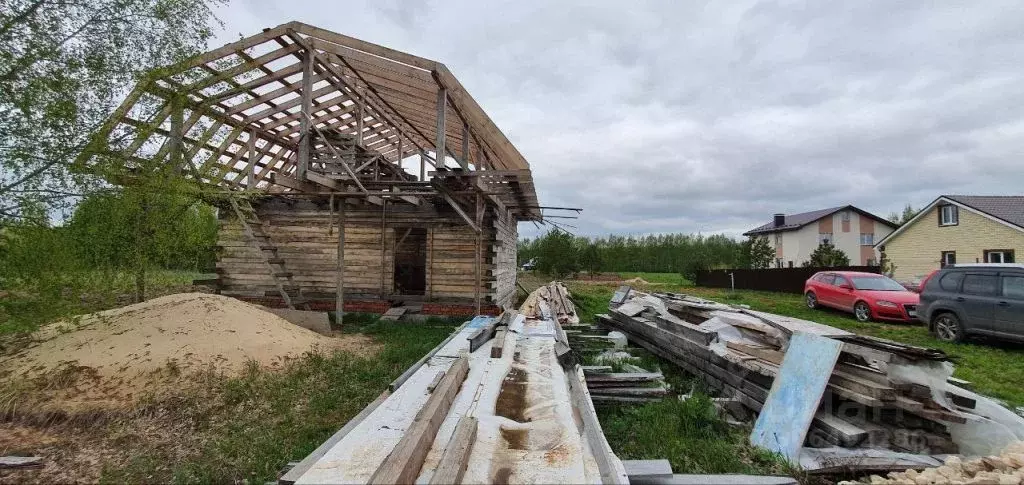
(688, 116)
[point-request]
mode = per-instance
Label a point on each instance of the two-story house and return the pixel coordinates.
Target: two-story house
(957, 229)
(852, 230)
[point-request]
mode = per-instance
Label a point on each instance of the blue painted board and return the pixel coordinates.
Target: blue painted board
(796, 392)
(479, 321)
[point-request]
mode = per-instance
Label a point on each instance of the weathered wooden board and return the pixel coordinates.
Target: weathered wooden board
(405, 461)
(795, 394)
(456, 455)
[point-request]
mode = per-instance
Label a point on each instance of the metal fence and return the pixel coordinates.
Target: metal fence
(789, 280)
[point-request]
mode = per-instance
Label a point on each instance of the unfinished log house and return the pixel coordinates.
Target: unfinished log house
(335, 149)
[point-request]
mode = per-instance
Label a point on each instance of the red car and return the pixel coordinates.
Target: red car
(868, 295)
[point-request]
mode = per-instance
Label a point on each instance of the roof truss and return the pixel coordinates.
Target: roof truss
(262, 113)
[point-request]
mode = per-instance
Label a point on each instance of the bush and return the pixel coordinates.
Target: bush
(826, 256)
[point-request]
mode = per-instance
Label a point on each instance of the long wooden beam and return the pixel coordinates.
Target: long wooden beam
(442, 108)
(405, 461)
(304, 121)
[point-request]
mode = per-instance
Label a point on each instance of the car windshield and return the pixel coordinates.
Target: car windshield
(877, 283)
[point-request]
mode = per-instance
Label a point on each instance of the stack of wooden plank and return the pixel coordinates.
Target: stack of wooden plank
(738, 352)
(624, 387)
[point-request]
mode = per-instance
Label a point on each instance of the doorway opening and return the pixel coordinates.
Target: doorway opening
(410, 261)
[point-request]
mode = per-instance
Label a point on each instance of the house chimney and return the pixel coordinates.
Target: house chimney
(780, 220)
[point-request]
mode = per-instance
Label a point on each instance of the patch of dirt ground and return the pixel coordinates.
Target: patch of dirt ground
(72, 375)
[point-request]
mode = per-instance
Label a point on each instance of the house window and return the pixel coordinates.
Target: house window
(846, 216)
(824, 237)
(790, 263)
(778, 263)
(867, 239)
(778, 239)
(949, 215)
(998, 255)
(948, 258)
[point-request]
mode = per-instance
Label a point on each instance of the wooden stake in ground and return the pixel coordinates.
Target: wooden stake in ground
(339, 304)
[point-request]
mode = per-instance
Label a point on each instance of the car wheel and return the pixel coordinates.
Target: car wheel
(946, 327)
(862, 312)
(812, 300)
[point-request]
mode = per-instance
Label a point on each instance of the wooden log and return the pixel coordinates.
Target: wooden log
(339, 304)
(453, 462)
(403, 464)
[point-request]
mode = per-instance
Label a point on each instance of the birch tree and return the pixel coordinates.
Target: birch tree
(64, 67)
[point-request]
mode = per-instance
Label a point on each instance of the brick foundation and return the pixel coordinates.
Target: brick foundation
(371, 306)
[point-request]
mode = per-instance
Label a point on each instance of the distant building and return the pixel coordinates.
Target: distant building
(852, 230)
(957, 229)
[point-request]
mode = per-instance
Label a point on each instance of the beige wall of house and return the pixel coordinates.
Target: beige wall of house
(918, 249)
(797, 246)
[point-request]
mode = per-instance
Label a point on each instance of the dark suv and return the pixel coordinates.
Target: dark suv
(962, 300)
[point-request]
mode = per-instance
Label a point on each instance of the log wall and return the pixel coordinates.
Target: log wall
(305, 234)
(504, 254)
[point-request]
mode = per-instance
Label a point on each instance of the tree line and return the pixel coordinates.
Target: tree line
(559, 253)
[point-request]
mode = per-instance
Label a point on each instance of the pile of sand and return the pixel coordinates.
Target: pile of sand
(636, 281)
(172, 334)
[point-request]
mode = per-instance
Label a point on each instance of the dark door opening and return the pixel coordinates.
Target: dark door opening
(411, 261)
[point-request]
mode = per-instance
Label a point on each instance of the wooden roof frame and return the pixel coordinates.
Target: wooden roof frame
(255, 104)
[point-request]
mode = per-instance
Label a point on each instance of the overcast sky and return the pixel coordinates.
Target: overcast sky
(709, 117)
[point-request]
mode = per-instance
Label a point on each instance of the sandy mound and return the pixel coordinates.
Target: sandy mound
(636, 281)
(172, 334)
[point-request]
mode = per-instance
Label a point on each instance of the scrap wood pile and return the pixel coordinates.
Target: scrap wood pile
(898, 401)
(551, 301)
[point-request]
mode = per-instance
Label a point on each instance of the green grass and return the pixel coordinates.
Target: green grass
(248, 428)
(688, 433)
(25, 307)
